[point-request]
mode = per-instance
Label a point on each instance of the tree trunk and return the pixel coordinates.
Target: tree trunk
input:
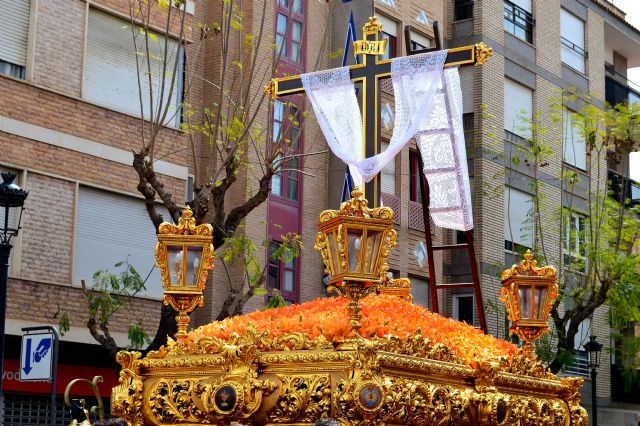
(167, 327)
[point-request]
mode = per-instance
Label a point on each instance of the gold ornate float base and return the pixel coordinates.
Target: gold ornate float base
(252, 379)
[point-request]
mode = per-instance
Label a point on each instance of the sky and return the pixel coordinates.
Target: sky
(632, 8)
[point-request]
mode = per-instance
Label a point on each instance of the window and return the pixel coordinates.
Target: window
(580, 364)
(518, 221)
(14, 21)
(462, 9)
(99, 245)
(282, 275)
(463, 308)
(388, 174)
(111, 76)
(422, 18)
(287, 138)
(415, 174)
(572, 41)
(574, 146)
(419, 42)
(518, 19)
(389, 2)
(420, 291)
(574, 240)
(389, 32)
(289, 31)
(518, 107)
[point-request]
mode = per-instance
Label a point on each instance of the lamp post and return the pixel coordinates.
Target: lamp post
(11, 205)
(528, 292)
(354, 243)
(593, 348)
(184, 254)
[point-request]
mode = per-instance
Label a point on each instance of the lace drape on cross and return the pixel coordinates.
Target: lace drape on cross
(428, 106)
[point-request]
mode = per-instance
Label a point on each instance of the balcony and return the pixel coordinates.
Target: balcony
(618, 93)
(623, 188)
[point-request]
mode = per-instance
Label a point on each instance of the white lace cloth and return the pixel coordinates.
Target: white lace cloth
(428, 105)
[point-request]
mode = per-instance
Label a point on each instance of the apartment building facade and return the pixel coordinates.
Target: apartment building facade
(541, 48)
(69, 120)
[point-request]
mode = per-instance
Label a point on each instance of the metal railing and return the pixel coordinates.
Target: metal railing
(518, 21)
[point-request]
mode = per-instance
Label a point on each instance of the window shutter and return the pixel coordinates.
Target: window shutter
(388, 174)
(572, 29)
(467, 83)
(517, 208)
(420, 39)
(14, 31)
(518, 105)
(420, 291)
(111, 77)
(111, 228)
(388, 26)
(574, 146)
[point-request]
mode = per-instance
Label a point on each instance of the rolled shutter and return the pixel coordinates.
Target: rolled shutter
(112, 228)
(111, 77)
(518, 226)
(420, 291)
(389, 26)
(524, 4)
(518, 107)
(388, 174)
(14, 31)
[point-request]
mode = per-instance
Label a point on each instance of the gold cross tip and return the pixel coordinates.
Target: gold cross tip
(373, 26)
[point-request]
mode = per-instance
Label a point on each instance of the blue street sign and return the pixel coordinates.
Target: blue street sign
(36, 357)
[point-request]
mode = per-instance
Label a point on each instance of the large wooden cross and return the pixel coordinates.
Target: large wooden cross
(369, 73)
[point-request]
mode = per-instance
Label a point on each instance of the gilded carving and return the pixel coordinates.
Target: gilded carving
(126, 397)
(482, 53)
(302, 399)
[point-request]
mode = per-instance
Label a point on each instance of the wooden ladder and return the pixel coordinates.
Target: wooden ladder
(467, 245)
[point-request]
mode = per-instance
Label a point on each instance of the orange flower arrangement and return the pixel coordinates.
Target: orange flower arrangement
(381, 315)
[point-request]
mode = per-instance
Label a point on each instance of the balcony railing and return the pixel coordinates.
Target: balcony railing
(623, 189)
(618, 93)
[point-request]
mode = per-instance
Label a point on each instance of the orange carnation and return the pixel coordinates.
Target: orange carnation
(381, 315)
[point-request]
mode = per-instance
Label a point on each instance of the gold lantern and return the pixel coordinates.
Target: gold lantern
(528, 292)
(184, 254)
(354, 243)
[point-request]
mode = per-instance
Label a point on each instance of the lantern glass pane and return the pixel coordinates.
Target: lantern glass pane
(194, 254)
(373, 246)
(525, 301)
(335, 265)
(354, 238)
(541, 301)
(176, 264)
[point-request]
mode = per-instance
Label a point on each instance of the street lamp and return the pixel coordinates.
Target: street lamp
(11, 205)
(528, 292)
(184, 254)
(593, 348)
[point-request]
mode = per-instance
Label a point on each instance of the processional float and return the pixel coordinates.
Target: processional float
(369, 357)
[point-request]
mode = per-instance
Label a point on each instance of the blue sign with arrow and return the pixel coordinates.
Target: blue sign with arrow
(36, 357)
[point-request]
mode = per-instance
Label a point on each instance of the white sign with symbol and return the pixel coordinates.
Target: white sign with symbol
(36, 357)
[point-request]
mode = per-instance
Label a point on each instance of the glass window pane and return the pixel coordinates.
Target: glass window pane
(273, 277)
(288, 283)
(292, 187)
(294, 139)
(296, 31)
(281, 45)
(297, 6)
(278, 110)
(282, 24)
(276, 131)
(295, 52)
(276, 185)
